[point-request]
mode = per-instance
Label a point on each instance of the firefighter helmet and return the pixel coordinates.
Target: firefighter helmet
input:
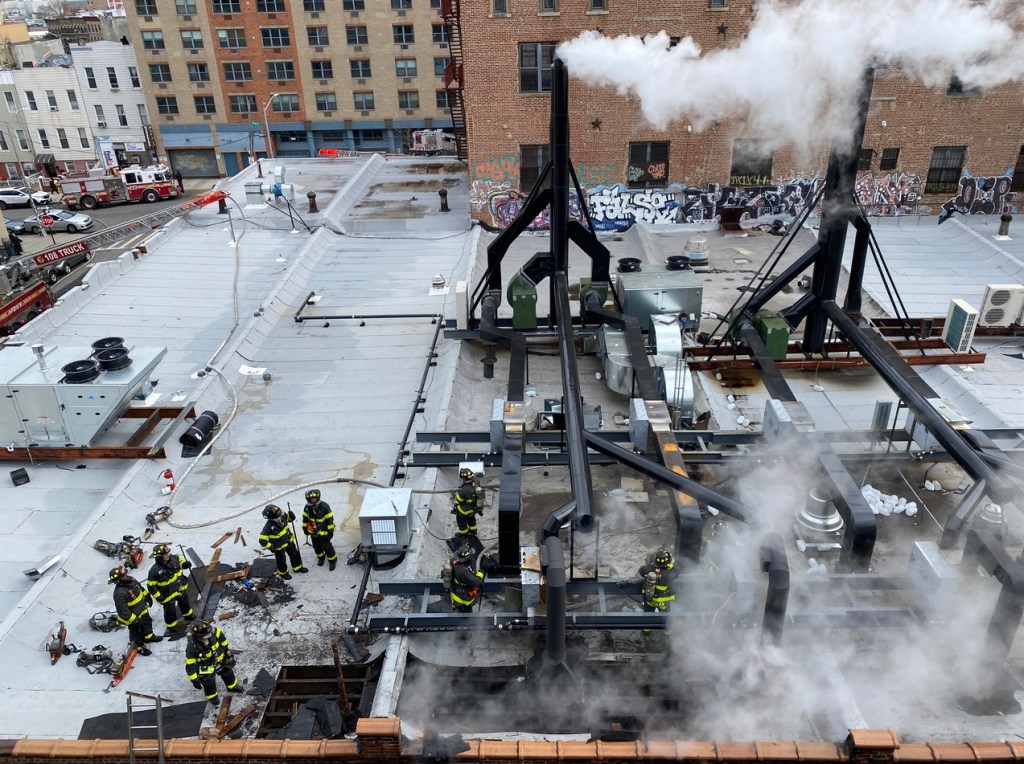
(201, 629)
(464, 551)
(663, 557)
(116, 574)
(271, 511)
(466, 474)
(312, 495)
(160, 550)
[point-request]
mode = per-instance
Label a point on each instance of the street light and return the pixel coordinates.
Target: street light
(266, 126)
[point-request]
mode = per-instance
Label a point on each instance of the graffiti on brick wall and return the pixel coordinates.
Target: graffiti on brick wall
(890, 194)
(497, 204)
(592, 175)
(497, 169)
(616, 208)
(989, 195)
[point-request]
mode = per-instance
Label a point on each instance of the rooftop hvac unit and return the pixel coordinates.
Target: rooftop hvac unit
(384, 520)
(1002, 304)
(961, 321)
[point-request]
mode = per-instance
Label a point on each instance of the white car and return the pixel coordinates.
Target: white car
(63, 220)
(19, 197)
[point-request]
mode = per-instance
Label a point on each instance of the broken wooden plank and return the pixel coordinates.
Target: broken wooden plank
(213, 561)
(238, 533)
(262, 598)
(243, 540)
(243, 573)
(144, 430)
(237, 719)
(222, 715)
(221, 540)
(226, 615)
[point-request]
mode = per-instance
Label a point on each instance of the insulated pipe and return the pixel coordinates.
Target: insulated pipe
(556, 519)
(775, 564)
(553, 557)
(559, 164)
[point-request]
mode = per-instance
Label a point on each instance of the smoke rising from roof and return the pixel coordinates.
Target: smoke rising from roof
(795, 76)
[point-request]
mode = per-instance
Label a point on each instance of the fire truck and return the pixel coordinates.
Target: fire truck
(25, 283)
(132, 184)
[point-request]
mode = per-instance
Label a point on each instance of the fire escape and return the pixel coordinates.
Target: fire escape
(454, 81)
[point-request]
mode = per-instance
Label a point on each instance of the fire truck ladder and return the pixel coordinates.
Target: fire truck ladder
(151, 221)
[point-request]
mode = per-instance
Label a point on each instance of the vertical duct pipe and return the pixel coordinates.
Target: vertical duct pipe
(775, 564)
(559, 165)
(852, 304)
(553, 557)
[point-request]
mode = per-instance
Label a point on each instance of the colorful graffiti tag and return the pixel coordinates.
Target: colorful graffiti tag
(890, 194)
(984, 196)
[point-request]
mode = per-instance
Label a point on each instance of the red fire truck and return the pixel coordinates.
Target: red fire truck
(24, 290)
(132, 184)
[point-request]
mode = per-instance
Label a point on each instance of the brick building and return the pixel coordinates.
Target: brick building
(919, 143)
(344, 74)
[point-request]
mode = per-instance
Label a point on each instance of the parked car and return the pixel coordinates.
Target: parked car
(15, 226)
(19, 197)
(62, 221)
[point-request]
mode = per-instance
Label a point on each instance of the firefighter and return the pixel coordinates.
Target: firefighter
(132, 601)
(279, 539)
(318, 523)
(467, 504)
(168, 583)
(658, 576)
(207, 655)
(466, 581)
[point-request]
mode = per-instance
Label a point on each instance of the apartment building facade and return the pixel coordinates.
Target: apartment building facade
(227, 80)
(16, 157)
(923, 147)
(59, 136)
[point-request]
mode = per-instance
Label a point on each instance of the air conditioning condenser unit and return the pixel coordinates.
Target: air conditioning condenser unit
(1001, 305)
(961, 321)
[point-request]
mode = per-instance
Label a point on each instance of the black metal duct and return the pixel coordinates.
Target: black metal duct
(200, 430)
(553, 557)
(775, 564)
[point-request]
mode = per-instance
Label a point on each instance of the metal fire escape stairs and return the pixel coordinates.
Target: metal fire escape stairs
(454, 73)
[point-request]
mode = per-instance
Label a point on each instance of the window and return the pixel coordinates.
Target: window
(401, 5)
(22, 139)
(405, 67)
(30, 99)
(145, 7)
(353, 5)
(275, 37)
(356, 35)
(318, 36)
(363, 101)
(185, 7)
(90, 77)
(751, 163)
(122, 118)
(1017, 184)
(160, 72)
(333, 135)
(648, 164)
(441, 99)
(549, 6)
(12, 105)
(408, 99)
(166, 105)
(313, 6)
(286, 102)
(440, 64)
(322, 70)
(101, 118)
(205, 104)
(945, 170)
(242, 104)
(133, 75)
(359, 68)
(716, 4)
(51, 100)
(270, 6)
(231, 38)
(326, 102)
(44, 141)
(14, 170)
(439, 33)
(237, 71)
(890, 159)
(403, 34)
(153, 40)
(198, 73)
(83, 137)
(112, 76)
(280, 70)
(143, 114)
(368, 138)
(956, 87)
(62, 138)
(531, 161)
(535, 66)
(865, 159)
(226, 6)
(598, 5)
(191, 39)
(499, 7)
(435, 5)
(4, 146)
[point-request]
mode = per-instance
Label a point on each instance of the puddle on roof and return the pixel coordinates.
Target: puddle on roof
(433, 169)
(413, 185)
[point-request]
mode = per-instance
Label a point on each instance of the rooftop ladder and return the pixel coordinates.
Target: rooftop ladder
(156, 705)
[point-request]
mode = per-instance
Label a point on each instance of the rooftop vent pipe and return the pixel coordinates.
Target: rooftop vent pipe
(38, 350)
(553, 557)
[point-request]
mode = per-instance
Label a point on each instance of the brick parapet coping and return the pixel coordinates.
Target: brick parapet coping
(379, 740)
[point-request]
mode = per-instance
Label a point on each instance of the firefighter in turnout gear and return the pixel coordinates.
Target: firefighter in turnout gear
(207, 656)
(318, 523)
(132, 601)
(467, 581)
(168, 583)
(468, 503)
(658, 576)
(279, 539)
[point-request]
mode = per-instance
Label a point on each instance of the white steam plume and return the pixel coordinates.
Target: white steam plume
(796, 75)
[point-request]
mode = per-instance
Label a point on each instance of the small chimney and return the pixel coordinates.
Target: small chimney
(38, 350)
(1004, 225)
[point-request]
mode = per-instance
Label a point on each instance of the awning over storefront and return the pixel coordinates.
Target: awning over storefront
(44, 158)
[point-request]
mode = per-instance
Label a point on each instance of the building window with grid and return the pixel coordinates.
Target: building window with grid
(403, 34)
(191, 39)
(237, 71)
(647, 164)
(441, 99)
(62, 138)
(401, 5)
(865, 159)
(198, 73)
(22, 138)
(318, 36)
(44, 141)
(145, 7)
(83, 137)
(160, 72)
(90, 77)
(275, 37)
(280, 70)
(122, 118)
(51, 100)
(499, 7)
(313, 6)
(890, 159)
(286, 102)
(356, 35)
(946, 167)
(4, 145)
(322, 70)
(101, 118)
(439, 33)
(440, 64)
(549, 6)
(30, 100)
(153, 40)
(408, 99)
(359, 68)
(353, 5)
(133, 75)
(532, 159)
(226, 6)
(242, 104)
(231, 38)
(185, 7)
(326, 102)
(956, 87)
(716, 3)
(270, 6)
(1017, 184)
(205, 104)
(535, 66)
(166, 105)
(405, 67)
(73, 96)
(112, 77)
(597, 5)
(363, 101)
(751, 163)
(435, 5)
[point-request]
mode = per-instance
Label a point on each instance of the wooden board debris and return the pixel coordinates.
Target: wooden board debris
(237, 719)
(238, 534)
(226, 615)
(243, 573)
(213, 562)
(221, 540)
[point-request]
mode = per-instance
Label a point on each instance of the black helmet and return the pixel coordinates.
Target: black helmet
(201, 629)
(271, 511)
(464, 551)
(466, 474)
(116, 574)
(663, 557)
(312, 495)
(160, 550)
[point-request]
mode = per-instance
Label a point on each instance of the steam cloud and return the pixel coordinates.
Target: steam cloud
(796, 75)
